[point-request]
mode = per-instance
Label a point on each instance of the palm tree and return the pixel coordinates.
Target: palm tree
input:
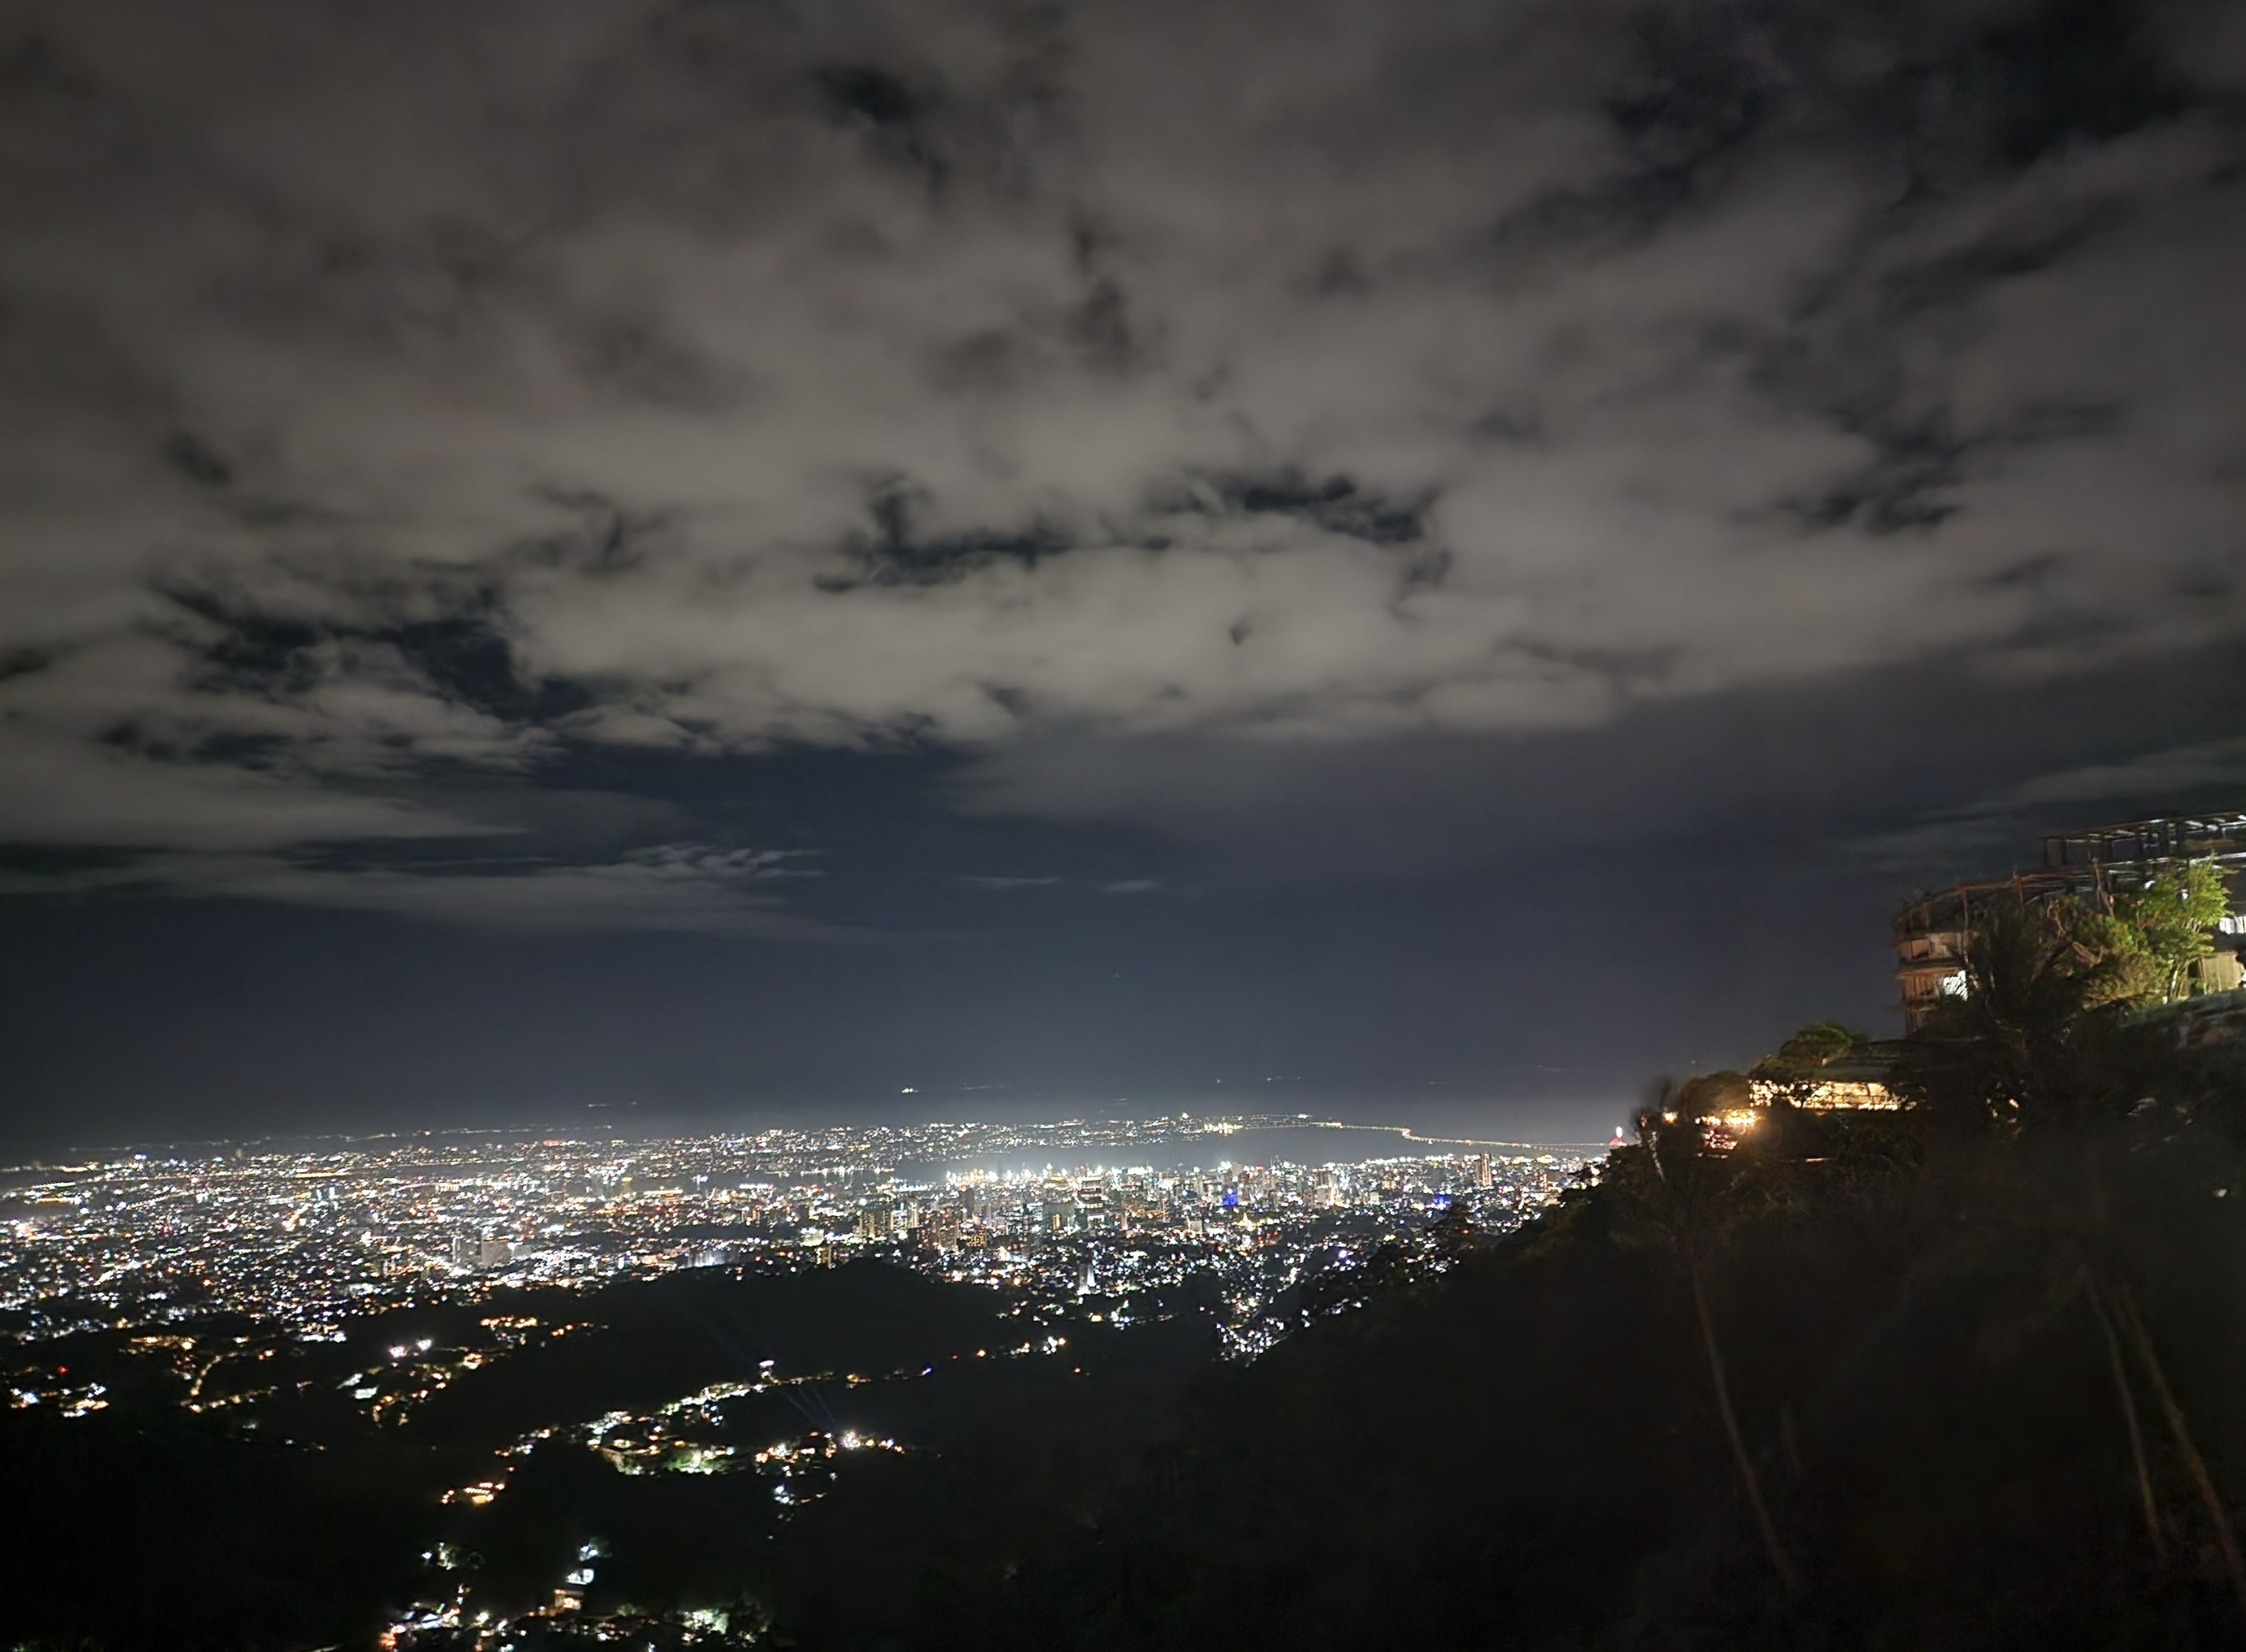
(2042, 1047)
(1676, 1189)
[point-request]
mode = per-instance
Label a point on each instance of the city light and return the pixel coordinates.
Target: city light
(314, 1237)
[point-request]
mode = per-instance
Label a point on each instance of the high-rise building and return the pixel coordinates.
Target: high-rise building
(941, 1228)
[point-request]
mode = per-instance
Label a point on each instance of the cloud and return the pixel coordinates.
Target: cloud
(61, 792)
(2216, 766)
(1121, 886)
(679, 889)
(394, 405)
(1984, 832)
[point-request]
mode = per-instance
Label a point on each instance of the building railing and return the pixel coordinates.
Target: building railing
(2201, 837)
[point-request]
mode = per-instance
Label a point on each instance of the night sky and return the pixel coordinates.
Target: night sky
(716, 560)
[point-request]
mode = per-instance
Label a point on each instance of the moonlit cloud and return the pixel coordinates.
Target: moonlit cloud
(403, 401)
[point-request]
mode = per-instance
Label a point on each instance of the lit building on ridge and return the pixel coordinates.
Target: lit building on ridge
(1933, 931)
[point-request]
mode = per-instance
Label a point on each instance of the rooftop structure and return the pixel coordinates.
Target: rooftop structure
(2149, 843)
(1932, 930)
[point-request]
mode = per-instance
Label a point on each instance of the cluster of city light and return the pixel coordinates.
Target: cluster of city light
(301, 1239)
(1093, 1243)
(217, 1265)
(450, 1624)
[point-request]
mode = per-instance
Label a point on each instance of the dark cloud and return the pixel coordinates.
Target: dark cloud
(394, 405)
(1908, 776)
(1989, 831)
(676, 889)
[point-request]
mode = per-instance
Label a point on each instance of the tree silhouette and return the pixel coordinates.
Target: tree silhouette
(1676, 1188)
(2043, 1049)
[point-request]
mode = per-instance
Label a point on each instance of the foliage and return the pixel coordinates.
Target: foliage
(2169, 918)
(2137, 946)
(1814, 1047)
(2037, 1041)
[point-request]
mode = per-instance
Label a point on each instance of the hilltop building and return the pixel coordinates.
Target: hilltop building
(1856, 1079)
(1825, 1067)
(1932, 930)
